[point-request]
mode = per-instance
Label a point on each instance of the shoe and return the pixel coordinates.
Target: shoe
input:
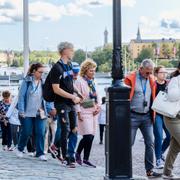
(5, 148)
(159, 164)
(54, 151)
(43, 158)
(87, 163)
(19, 154)
(10, 148)
(172, 176)
(152, 174)
(100, 142)
(78, 158)
(32, 154)
(70, 162)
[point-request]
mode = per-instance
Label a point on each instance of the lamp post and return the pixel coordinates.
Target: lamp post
(118, 128)
(25, 36)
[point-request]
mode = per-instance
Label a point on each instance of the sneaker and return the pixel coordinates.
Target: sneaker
(32, 154)
(159, 164)
(10, 148)
(5, 148)
(43, 158)
(152, 174)
(100, 142)
(163, 157)
(19, 154)
(172, 176)
(54, 150)
(89, 164)
(78, 158)
(70, 163)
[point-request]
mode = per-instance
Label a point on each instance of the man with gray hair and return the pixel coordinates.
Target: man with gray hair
(141, 96)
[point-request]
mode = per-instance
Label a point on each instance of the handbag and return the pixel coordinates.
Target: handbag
(165, 107)
(88, 103)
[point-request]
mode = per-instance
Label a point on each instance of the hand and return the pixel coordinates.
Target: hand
(22, 115)
(76, 100)
(74, 130)
(79, 117)
(96, 111)
(53, 112)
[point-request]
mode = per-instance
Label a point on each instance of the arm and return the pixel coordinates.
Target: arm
(174, 89)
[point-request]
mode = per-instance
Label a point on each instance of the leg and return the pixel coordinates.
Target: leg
(166, 140)
(14, 133)
(87, 146)
(147, 132)
(26, 130)
(53, 127)
(40, 126)
(158, 136)
(174, 149)
(46, 143)
(101, 129)
(4, 139)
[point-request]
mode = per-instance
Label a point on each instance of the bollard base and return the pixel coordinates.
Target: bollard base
(126, 178)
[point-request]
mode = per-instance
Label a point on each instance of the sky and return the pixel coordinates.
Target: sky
(83, 22)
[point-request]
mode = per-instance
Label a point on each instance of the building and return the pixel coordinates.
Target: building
(6, 57)
(162, 48)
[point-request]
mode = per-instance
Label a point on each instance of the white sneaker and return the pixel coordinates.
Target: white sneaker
(5, 148)
(32, 154)
(19, 154)
(159, 164)
(172, 176)
(43, 158)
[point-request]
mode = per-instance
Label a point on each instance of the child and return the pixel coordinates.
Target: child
(5, 126)
(102, 119)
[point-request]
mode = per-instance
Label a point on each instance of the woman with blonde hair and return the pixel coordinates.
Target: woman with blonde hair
(87, 110)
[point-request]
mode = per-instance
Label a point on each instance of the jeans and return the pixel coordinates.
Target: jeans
(160, 144)
(15, 133)
(39, 125)
(144, 123)
(65, 137)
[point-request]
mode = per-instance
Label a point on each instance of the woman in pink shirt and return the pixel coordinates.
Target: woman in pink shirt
(87, 111)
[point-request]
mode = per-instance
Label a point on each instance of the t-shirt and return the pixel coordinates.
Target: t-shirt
(160, 87)
(62, 74)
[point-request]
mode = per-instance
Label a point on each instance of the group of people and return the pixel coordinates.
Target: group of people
(45, 126)
(144, 88)
(76, 107)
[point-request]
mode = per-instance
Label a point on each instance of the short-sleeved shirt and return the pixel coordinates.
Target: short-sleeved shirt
(62, 74)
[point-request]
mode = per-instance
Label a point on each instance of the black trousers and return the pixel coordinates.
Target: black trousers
(6, 134)
(101, 131)
(86, 144)
(15, 133)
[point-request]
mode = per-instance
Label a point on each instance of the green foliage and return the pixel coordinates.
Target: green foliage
(79, 56)
(145, 53)
(166, 63)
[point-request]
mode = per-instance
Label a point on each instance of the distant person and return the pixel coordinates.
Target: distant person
(102, 119)
(14, 121)
(4, 120)
(32, 111)
(76, 70)
(142, 91)
(65, 99)
(87, 111)
(51, 125)
(160, 144)
(173, 125)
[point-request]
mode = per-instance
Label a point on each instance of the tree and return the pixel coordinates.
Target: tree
(79, 56)
(145, 53)
(166, 51)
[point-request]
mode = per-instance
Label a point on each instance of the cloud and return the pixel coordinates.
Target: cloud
(11, 11)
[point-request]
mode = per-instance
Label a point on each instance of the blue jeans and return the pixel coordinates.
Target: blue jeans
(67, 121)
(144, 123)
(26, 131)
(160, 144)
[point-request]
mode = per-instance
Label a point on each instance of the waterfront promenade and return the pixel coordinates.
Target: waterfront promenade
(30, 168)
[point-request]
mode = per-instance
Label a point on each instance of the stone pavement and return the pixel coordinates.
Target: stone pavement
(30, 168)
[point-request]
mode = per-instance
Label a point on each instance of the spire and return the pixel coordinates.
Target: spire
(138, 38)
(105, 37)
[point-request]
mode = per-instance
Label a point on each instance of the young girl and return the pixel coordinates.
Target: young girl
(160, 144)
(5, 126)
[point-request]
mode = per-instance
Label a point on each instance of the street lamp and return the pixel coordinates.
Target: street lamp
(25, 36)
(118, 128)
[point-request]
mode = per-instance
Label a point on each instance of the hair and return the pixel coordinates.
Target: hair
(34, 67)
(64, 45)
(147, 63)
(87, 64)
(6, 94)
(156, 69)
(176, 72)
(103, 100)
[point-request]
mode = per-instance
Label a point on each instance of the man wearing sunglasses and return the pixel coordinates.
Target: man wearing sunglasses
(141, 96)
